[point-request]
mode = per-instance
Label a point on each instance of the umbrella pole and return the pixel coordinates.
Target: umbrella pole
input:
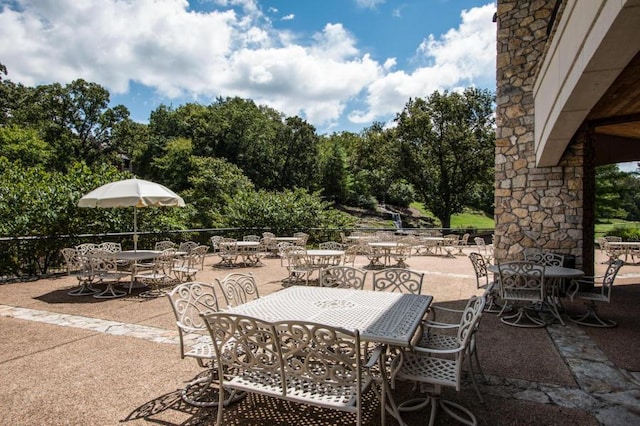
(135, 228)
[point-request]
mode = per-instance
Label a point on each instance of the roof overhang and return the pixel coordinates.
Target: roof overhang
(594, 42)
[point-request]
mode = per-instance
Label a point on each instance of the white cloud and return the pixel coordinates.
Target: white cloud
(288, 17)
(453, 60)
(369, 4)
(233, 51)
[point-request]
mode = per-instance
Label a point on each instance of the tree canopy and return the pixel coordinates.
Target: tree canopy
(447, 147)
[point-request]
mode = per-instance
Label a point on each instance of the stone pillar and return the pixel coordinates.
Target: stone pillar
(534, 206)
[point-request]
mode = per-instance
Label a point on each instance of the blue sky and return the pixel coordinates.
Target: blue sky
(339, 64)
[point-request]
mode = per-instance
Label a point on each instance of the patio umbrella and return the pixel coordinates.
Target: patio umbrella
(134, 193)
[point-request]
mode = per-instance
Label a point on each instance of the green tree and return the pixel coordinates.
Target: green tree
(283, 211)
(446, 147)
(334, 174)
(610, 187)
(25, 145)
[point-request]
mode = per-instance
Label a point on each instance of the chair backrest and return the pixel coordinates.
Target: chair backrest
(331, 245)
(544, 258)
(480, 242)
(163, 245)
(164, 262)
(243, 343)
(282, 247)
(465, 239)
(302, 238)
(470, 319)
(215, 242)
(298, 258)
(195, 258)
(254, 238)
(452, 238)
(238, 288)
(523, 276)
(189, 301)
(187, 246)
(350, 254)
(85, 248)
(325, 361)
(74, 262)
(343, 277)
(610, 276)
(480, 267)
(228, 246)
(110, 246)
(398, 280)
(103, 261)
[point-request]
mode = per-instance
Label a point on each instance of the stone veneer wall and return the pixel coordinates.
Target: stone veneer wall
(534, 206)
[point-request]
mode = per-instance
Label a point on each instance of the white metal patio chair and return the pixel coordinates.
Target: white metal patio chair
(522, 286)
(437, 334)
(106, 269)
(186, 267)
(435, 369)
(158, 274)
(600, 294)
(308, 363)
(189, 301)
(79, 266)
(483, 282)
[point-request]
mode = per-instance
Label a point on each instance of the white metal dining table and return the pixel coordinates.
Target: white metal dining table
(380, 317)
(247, 250)
(325, 257)
(133, 256)
(626, 248)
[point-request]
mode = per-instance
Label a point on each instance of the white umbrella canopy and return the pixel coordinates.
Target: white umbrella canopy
(134, 193)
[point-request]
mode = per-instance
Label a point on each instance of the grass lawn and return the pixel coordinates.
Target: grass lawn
(468, 219)
(604, 226)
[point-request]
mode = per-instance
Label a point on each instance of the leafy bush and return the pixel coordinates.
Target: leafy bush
(401, 193)
(627, 233)
(283, 211)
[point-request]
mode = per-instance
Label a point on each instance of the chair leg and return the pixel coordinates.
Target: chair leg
(522, 319)
(435, 400)
(110, 293)
(195, 392)
(473, 357)
(83, 289)
(492, 306)
(592, 319)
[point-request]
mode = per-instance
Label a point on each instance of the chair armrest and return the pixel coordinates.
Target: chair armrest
(574, 286)
(435, 309)
(437, 351)
(437, 324)
(375, 356)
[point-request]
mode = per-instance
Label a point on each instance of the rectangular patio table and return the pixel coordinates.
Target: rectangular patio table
(380, 317)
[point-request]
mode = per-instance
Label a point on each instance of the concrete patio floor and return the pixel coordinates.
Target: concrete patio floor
(78, 360)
